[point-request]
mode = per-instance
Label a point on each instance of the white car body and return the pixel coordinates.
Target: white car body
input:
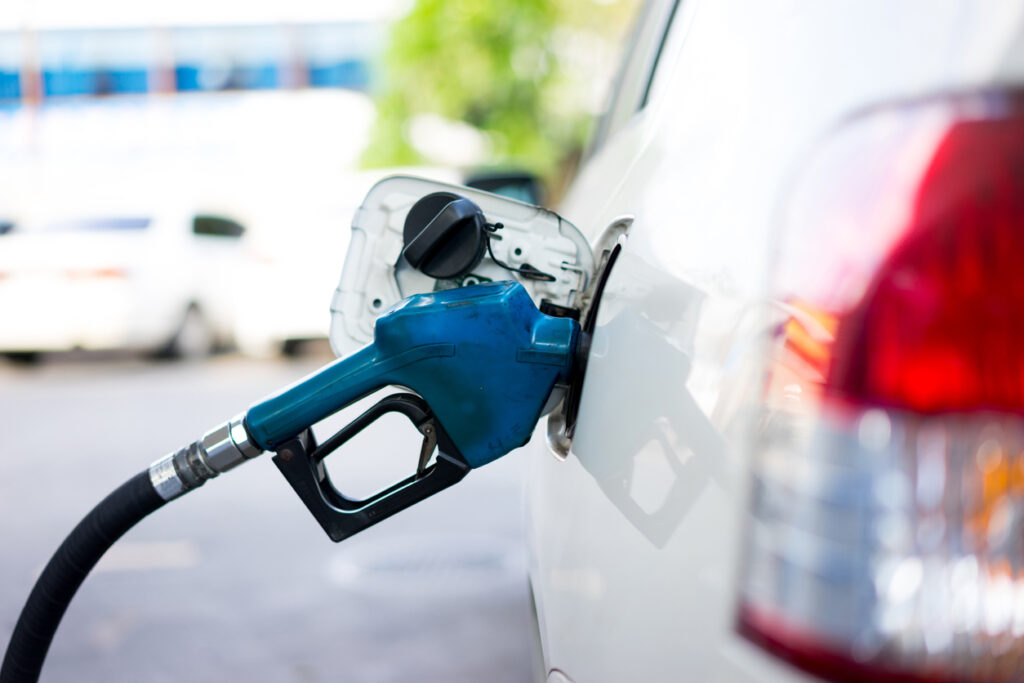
(636, 536)
(64, 286)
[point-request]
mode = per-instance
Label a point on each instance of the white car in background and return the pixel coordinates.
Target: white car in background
(126, 274)
(798, 447)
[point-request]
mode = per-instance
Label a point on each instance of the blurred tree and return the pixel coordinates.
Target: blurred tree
(514, 70)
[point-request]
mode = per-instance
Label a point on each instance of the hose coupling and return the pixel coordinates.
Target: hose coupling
(221, 449)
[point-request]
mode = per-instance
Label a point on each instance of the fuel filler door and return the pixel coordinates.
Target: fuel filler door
(413, 235)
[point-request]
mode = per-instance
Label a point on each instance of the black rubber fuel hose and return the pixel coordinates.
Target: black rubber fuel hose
(68, 567)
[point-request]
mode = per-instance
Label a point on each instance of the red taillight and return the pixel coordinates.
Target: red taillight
(886, 538)
(941, 326)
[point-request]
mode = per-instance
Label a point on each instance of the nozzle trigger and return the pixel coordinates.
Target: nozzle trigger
(429, 431)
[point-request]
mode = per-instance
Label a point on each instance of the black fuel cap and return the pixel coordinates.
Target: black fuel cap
(444, 235)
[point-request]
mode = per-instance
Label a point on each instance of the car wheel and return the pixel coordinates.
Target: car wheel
(193, 340)
(293, 348)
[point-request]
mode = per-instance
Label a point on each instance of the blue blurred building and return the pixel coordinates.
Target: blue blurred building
(40, 64)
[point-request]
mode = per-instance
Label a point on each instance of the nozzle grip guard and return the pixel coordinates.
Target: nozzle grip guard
(483, 358)
(300, 460)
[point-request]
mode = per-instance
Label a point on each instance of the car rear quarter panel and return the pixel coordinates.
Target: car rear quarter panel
(635, 538)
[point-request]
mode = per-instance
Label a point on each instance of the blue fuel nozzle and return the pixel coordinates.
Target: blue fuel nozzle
(481, 361)
(482, 357)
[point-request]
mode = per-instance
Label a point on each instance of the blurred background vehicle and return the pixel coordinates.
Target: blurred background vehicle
(265, 113)
(118, 273)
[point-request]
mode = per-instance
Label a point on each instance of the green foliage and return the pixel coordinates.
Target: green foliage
(490, 64)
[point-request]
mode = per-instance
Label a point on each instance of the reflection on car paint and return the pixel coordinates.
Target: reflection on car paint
(630, 459)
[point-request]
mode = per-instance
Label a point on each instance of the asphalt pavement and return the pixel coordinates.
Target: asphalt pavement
(236, 581)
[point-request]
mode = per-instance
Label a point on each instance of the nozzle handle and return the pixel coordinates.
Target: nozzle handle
(335, 386)
(483, 358)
